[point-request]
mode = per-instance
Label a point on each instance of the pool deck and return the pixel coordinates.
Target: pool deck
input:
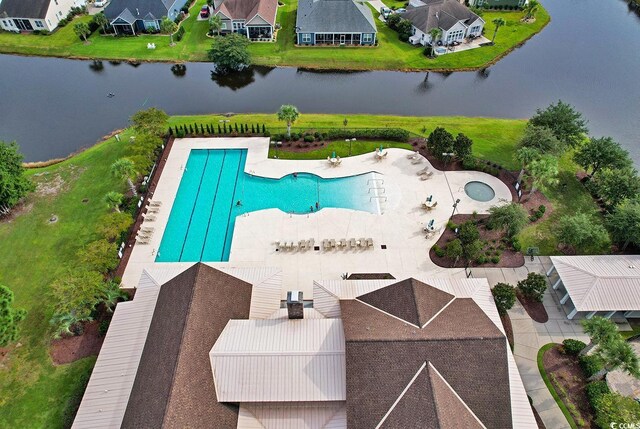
(398, 227)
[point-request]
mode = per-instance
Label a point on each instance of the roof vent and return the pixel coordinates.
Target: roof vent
(138, 11)
(295, 305)
(632, 266)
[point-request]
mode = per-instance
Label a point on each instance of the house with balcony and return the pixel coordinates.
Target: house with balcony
(254, 18)
(21, 15)
(455, 21)
(335, 22)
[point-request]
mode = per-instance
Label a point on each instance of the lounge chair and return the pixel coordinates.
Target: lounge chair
(363, 242)
(155, 203)
(414, 155)
(423, 171)
(147, 229)
(332, 243)
(417, 160)
(148, 217)
(325, 244)
(302, 244)
(353, 243)
(343, 243)
(294, 246)
(153, 209)
(426, 176)
(369, 242)
(310, 243)
(141, 240)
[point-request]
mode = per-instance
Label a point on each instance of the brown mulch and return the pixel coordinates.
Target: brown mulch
(534, 309)
(506, 323)
(508, 259)
(70, 349)
(564, 371)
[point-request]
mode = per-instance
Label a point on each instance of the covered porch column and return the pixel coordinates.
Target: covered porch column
(565, 298)
(609, 315)
(590, 315)
(573, 313)
(551, 270)
(557, 283)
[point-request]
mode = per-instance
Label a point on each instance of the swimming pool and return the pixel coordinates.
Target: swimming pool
(202, 219)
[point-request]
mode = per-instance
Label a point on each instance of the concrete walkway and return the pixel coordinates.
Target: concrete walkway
(530, 336)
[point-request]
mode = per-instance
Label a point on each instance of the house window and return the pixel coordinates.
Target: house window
(455, 35)
(224, 26)
(475, 29)
(306, 38)
(39, 24)
(367, 38)
(4, 23)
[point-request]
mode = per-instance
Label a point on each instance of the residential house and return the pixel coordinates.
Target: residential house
(498, 3)
(335, 22)
(22, 15)
(201, 346)
(455, 20)
(130, 17)
(254, 18)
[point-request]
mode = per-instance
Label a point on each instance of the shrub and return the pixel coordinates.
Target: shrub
(438, 251)
(516, 245)
(451, 225)
(295, 136)
(393, 134)
(185, 8)
(595, 391)
(469, 163)
(495, 259)
(505, 296)
(590, 364)
(180, 133)
(179, 34)
(103, 327)
(573, 347)
(480, 260)
(309, 139)
(613, 409)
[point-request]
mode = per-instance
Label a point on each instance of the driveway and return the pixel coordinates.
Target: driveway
(377, 4)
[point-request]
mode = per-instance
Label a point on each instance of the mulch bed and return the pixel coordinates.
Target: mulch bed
(534, 309)
(564, 371)
(508, 259)
(70, 349)
(538, 418)
(506, 323)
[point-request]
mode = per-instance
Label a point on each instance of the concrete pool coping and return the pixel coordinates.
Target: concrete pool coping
(399, 227)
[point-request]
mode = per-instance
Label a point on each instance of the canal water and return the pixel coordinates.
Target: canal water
(589, 56)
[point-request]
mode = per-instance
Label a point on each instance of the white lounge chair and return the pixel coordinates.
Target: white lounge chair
(155, 203)
(148, 217)
(343, 243)
(417, 160)
(423, 171)
(369, 242)
(310, 243)
(153, 209)
(353, 243)
(363, 242)
(414, 155)
(325, 244)
(147, 229)
(142, 240)
(332, 243)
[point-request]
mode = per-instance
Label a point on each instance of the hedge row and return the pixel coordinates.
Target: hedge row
(224, 129)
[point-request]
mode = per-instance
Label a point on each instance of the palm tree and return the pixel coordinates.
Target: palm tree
(215, 24)
(168, 26)
(435, 33)
(113, 200)
(124, 168)
(531, 8)
(599, 330)
(64, 322)
(288, 114)
(525, 155)
(111, 294)
(498, 22)
(544, 172)
(617, 354)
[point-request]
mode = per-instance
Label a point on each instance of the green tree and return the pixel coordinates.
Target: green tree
(112, 225)
(468, 232)
(168, 26)
(10, 317)
(215, 24)
(14, 185)
(542, 139)
(230, 53)
(111, 294)
(144, 150)
(99, 255)
(567, 124)
(602, 153)
(289, 114)
(624, 223)
(498, 22)
(462, 146)
(113, 200)
(82, 30)
(505, 296)
(617, 354)
(404, 29)
(439, 142)
(533, 286)
(600, 331)
(543, 172)
(454, 251)
(101, 21)
(614, 408)
(435, 33)
(393, 20)
(509, 217)
(124, 168)
(525, 155)
(615, 186)
(151, 121)
(75, 295)
(530, 9)
(472, 250)
(581, 232)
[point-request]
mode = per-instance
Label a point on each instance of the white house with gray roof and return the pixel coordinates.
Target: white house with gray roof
(456, 21)
(135, 16)
(335, 22)
(22, 15)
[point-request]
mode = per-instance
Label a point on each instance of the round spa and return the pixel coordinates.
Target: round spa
(479, 191)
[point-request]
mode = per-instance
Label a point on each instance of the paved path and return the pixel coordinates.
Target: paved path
(530, 336)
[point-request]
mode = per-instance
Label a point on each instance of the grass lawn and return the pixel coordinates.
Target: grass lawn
(391, 54)
(36, 394)
(341, 149)
(33, 392)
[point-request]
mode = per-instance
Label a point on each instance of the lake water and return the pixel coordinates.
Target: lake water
(589, 56)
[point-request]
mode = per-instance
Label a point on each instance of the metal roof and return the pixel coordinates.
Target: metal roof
(601, 283)
(280, 360)
(293, 415)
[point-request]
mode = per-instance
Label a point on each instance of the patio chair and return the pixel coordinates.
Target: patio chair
(417, 161)
(369, 242)
(310, 243)
(155, 203)
(414, 155)
(302, 244)
(148, 217)
(353, 243)
(332, 243)
(363, 242)
(141, 240)
(294, 246)
(435, 204)
(423, 171)
(325, 244)
(153, 209)
(343, 243)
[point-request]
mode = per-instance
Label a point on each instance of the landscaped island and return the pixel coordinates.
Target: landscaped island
(389, 54)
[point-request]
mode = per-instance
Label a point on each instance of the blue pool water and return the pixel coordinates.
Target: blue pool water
(203, 215)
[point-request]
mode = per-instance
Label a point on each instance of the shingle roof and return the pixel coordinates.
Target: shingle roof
(24, 9)
(137, 9)
(601, 283)
(334, 16)
(438, 14)
(174, 384)
(248, 9)
(385, 354)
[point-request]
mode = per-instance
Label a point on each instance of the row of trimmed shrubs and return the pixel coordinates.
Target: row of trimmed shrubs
(389, 134)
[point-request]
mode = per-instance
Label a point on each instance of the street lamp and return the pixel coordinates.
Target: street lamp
(455, 205)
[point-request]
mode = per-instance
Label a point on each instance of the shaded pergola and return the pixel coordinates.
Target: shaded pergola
(599, 283)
